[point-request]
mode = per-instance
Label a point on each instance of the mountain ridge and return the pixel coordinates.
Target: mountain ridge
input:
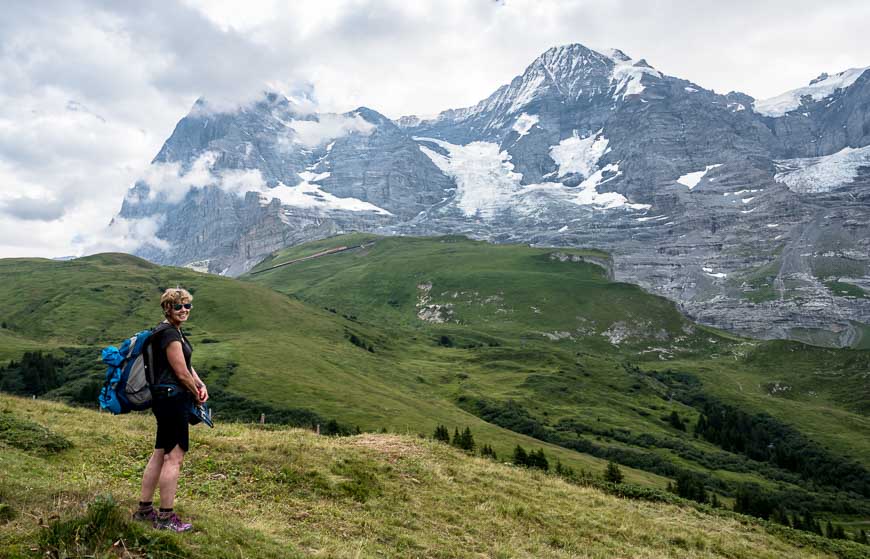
(581, 149)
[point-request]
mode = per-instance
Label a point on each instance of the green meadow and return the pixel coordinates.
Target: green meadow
(525, 346)
(71, 475)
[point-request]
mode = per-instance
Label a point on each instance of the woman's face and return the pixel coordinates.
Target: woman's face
(179, 312)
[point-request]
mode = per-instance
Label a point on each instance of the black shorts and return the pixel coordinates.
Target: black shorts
(173, 426)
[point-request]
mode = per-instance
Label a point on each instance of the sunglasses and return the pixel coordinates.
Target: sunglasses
(178, 306)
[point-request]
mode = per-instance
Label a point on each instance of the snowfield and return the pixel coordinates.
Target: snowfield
(306, 194)
(817, 89)
(822, 174)
(579, 155)
(487, 183)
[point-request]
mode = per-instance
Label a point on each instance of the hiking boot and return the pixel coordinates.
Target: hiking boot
(172, 522)
(148, 515)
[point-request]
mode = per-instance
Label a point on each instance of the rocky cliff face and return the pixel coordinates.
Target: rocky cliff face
(752, 215)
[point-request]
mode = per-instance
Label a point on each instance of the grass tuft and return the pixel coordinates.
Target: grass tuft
(104, 531)
(26, 435)
(361, 483)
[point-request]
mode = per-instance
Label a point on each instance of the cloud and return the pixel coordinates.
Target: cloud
(239, 181)
(37, 209)
(169, 183)
(125, 235)
(328, 127)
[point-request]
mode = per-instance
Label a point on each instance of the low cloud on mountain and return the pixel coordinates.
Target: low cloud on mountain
(328, 127)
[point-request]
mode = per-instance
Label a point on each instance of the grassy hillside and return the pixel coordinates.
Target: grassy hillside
(525, 346)
(254, 492)
(540, 341)
(260, 350)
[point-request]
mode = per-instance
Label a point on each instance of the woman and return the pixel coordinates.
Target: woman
(176, 383)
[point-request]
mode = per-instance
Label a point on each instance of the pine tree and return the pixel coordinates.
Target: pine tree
(457, 440)
(797, 523)
(701, 425)
(612, 473)
(540, 460)
(521, 458)
(331, 428)
(691, 486)
(811, 524)
(441, 434)
(829, 530)
(780, 516)
(676, 422)
(714, 501)
(466, 441)
(862, 537)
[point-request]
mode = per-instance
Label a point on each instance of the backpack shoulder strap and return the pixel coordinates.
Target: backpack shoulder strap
(148, 352)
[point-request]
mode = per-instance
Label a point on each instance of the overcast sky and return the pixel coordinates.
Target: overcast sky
(90, 89)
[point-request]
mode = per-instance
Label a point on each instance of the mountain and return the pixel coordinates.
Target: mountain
(752, 215)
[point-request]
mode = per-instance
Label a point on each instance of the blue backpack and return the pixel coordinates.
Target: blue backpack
(128, 382)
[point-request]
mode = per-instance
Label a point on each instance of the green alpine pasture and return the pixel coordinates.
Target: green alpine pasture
(525, 346)
(283, 492)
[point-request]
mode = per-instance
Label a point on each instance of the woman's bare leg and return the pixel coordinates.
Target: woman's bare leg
(169, 477)
(151, 475)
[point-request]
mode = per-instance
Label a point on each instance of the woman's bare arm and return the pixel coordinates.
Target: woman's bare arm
(175, 356)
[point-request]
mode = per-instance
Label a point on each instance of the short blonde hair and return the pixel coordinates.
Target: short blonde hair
(174, 296)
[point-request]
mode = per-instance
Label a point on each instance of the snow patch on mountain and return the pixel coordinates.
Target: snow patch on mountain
(691, 180)
(579, 155)
(822, 174)
(628, 73)
(743, 191)
(709, 271)
(588, 191)
(487, 183)
(166, 181)
(652, 218)
(307, 194)
(524, 123)
(484, 175)
(818, 89)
